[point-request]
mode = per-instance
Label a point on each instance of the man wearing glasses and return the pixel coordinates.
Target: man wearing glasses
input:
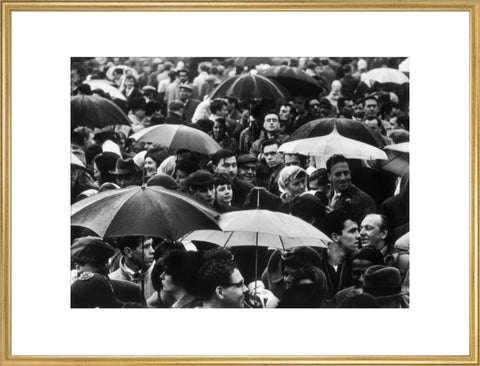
(220, 283)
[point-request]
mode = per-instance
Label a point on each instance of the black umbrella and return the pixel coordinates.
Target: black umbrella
(346, 127)
(95, 111)
(294, 79)
(249, 87)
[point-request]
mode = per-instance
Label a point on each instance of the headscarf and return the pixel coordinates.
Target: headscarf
(288, 174)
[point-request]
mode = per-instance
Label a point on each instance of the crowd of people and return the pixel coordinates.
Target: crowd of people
(363, 209)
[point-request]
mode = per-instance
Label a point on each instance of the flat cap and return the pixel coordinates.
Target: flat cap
(91, 249)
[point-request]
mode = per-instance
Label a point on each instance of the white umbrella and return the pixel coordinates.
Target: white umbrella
(107, 88)
(74, 160)
(332, 144)
(178, 137)
(404, 65)
(262, 228)
(387, 75)
(126, 69)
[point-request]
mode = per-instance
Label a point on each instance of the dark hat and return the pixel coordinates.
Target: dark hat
(383, 282)
(185, 86)
(200, 178)
(106, 161)
(125, 167)
(302, 256)
(359, 301)
(91, 249)
(92, 290)
(162, 180)
(148, 88)
(138, 103)
(325, 102)
(205, 124)
(246, 158)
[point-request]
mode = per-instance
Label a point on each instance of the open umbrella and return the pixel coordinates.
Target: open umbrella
(294, 79)
(249, 87)
(405, 66)
(398, 161)
(178, 137)
(74, 160)
(127, 70)
(331, 144)
(95, 111)
(346, 127)
(386, 75)
(107, 87)
(147, 211)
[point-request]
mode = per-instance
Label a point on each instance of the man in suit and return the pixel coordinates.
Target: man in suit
(190, 104)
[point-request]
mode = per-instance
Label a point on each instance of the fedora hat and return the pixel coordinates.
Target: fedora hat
(125, 167)
(383, 282)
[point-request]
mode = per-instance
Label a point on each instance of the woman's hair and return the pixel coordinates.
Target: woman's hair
(183, 267)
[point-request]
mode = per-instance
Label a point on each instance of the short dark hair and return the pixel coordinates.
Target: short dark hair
(335, 159)
(131, 242)
(183, 267)
(216, 105)
(269, 112)
(221, 179)
(334, 222)
(268, 142)
(187, 166)
(151, 107)
(347, 68)
(216, 270)
(307, 207)
(222, 154)
(369, 254)
(370, 97)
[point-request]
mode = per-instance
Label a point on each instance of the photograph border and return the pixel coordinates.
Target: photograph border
(471, 6)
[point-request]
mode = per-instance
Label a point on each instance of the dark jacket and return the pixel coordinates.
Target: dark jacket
(355, 203)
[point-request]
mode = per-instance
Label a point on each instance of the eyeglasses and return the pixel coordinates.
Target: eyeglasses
(236, 284)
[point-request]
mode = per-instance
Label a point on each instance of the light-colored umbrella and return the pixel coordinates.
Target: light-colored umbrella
(404, 65)
(387, 75)
(127, 70)
(178, 137)
(107, 88)
(332, 144)
(398, 161)
(74, 160)
(262, 228)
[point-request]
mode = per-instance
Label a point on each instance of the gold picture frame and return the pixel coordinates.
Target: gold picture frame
(470, 6)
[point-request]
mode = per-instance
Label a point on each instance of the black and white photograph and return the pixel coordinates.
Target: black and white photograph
(240, 182)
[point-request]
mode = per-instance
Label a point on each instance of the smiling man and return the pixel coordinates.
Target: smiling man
(344, 196)
(373, 231)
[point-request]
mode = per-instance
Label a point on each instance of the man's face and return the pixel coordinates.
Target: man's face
(272, 157)
(314, 108)
(183, 77)
(299, 103)
(359, 266)
(143, 258)
(292, 159)
(371, 108)
(350, 237)
(205, 194)
(247, 172)
(127, 180)
(129, 83)
(358, 110)
(224, 193)
(222, 112)
(285, 112)
(233, 294)
(184, 94)
(271, 123)
(181, 179)
(340, 177)
(227, 166)
(370, 232)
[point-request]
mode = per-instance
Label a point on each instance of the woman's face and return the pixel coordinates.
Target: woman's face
(150, 166)
(96, 172)
(218, 131)
(296, 186)
(224, 194)
(167, 283)
(129, 83)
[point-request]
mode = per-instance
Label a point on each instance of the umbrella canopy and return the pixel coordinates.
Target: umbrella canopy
(331, 144)
(178, 137)
(404, 65)
(294, 79)
(251, 61)
(262, 228)
(346, 127)
(386, 75)
(95, 111)
(248, 87)
(107, 87)
(398, 161)
(127, 70)
(149, 211)
(74, 160)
